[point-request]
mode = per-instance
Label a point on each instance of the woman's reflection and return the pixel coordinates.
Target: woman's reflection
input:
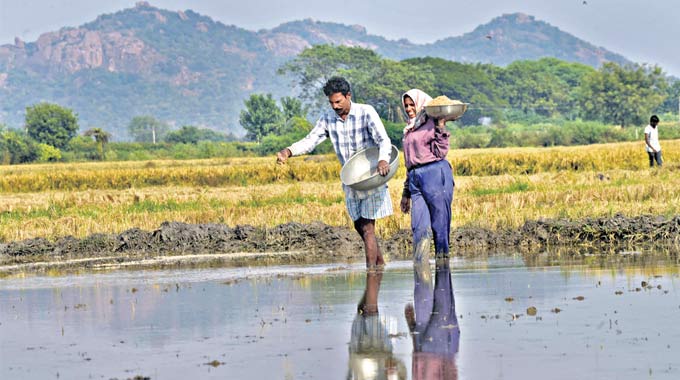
(433, 323)
(370, 347)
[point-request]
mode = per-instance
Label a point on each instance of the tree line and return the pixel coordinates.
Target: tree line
(51, 134)
(525, 92)
(565, 100)
(549, 87)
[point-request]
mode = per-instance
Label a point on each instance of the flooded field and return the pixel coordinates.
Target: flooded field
(499, 317)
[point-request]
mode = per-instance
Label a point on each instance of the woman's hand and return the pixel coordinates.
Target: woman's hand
(405, 205)
(441, 122)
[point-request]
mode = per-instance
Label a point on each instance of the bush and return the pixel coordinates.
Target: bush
(396, 133)
(466, 138)
(81, 148)
(17, 148)
(193, 135)
(48, 153)
(272, 143)
(295, 129)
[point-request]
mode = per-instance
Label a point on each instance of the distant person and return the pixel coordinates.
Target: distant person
(433, 323)
(352, 127)
(652, 142)
(370, 346)
(428, 189)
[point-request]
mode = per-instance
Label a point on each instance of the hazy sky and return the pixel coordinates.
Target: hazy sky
(643, 31)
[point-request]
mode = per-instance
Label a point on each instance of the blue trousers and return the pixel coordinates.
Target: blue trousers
(431, 188)
(655, 156)
(436, 321)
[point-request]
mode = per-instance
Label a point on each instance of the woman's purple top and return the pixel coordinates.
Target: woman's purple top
(424, 144)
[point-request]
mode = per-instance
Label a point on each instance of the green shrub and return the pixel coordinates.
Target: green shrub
(17, 148)
(48, 153)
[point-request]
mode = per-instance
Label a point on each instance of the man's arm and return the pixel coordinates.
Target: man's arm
(315, 137)
(648, 144)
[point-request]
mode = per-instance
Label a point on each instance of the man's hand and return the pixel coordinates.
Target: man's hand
(282, 156)
(383, 168)
(405, 205)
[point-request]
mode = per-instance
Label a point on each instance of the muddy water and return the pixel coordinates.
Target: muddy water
(593, 319)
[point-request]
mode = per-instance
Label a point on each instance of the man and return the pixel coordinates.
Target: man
(652, 142)
(371, 353)
(351, 128)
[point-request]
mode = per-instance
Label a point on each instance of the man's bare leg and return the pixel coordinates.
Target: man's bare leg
(366, 228)
(369, 302)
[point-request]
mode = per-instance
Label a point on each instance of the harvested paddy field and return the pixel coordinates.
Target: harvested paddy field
(600, 196)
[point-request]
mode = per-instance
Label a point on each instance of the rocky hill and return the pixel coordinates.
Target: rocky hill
(186, 68)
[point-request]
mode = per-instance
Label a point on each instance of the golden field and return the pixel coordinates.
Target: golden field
(495, 188)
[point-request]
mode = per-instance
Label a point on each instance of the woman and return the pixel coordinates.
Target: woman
(433, 324)
(428, 189)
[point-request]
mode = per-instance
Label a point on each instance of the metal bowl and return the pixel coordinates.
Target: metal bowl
(360, 172)
(453, 110)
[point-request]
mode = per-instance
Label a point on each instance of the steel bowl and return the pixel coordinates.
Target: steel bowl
(360, 172)
(453, 110)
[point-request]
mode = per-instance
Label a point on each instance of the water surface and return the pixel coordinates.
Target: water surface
(594, 319)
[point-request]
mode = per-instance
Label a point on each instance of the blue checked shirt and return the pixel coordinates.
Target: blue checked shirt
(362, 129)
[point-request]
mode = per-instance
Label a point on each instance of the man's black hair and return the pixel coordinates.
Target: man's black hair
(654, 119)
(336, 84)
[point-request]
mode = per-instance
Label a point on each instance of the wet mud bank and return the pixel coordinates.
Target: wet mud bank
(179, 244)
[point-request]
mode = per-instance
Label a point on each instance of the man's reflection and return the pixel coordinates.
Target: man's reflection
(433, 323)
(370, 347)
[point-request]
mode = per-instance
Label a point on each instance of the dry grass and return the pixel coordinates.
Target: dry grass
(263, 171)
(93, 200)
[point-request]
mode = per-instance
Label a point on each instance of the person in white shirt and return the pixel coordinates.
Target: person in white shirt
(352, 127)
(652, 142)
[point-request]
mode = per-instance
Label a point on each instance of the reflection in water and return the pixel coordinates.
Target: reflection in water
(370, 347)
(617, 322)
(433, 323)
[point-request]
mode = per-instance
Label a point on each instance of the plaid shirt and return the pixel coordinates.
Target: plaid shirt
(362, 129)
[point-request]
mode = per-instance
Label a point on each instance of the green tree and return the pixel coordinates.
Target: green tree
(82, 148)
(17, 148)
(530, 87)
(622, 95)
(312, 68)
(101, 137)
(470, 83)
(570, 76)
(296, 128)
(51, 124)
(292, 107)
(384, 84)
(147, 129)
(672, 97)
(261, 117)
(376, 81)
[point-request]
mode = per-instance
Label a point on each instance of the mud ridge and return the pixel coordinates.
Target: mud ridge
(324, 243)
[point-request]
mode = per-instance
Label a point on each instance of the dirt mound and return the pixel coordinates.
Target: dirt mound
(327, 243)
(615, 230)
(182, 238)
